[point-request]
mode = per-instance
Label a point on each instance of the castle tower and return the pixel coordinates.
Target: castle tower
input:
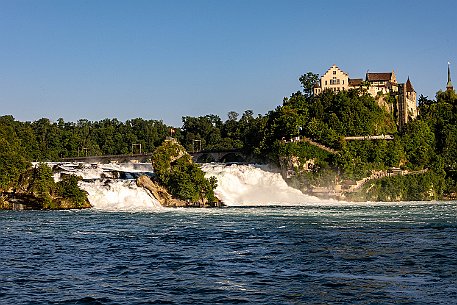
(406, 107)
(449, 83)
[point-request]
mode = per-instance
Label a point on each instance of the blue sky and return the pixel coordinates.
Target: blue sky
(163, 60)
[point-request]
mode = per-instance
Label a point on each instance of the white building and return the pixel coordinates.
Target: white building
(378, 85)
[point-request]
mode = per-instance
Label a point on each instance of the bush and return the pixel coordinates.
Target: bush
(68, 188)
(182, 178)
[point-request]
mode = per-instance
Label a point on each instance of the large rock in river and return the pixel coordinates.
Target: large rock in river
(159, 192)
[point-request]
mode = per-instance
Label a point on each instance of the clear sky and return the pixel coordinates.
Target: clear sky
(162, 60)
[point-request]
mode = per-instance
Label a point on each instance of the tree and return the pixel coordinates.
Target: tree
(68, 188)
(12, 154)
(419, 141)
(42, 184)
(182, 178)
(233, 116)
(308, 81)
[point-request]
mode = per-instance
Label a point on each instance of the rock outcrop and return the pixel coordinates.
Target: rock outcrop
(159, 193)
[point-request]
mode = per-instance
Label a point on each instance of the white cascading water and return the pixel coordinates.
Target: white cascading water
(249, 185)
(119, 195)
(108, 194)
(238, 185)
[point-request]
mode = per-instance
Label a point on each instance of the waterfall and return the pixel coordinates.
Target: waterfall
(248, 185)
(119, 195)
(105, 191)
(238, 185)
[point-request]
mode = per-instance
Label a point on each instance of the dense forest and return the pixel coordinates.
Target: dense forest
(428, 143)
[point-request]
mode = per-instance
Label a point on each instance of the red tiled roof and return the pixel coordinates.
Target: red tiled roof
(374, 77)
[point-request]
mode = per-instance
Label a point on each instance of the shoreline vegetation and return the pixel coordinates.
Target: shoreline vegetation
(307, 137)
(180, 182)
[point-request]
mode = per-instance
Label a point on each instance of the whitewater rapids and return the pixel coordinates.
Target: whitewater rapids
(237, 185)
(119, 195)
(105, 192)
(253, 185)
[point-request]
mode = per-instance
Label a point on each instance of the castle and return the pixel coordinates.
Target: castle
(378, 85)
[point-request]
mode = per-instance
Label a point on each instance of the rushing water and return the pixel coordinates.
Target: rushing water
(237, 185)
(312, 254)
(240, 185)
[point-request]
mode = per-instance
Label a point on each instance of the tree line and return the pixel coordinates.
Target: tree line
(429, 142)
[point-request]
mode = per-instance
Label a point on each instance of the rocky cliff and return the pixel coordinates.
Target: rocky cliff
(160, 193)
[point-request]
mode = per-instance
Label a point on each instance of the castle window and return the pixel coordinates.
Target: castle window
(326, 83)
(334, 81)
(334, 72)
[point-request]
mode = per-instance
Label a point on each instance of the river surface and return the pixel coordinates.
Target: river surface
(331, 254)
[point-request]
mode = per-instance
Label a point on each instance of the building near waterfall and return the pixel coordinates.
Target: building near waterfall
(382, 86)
(336, 80)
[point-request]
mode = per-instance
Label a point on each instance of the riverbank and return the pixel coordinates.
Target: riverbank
(382, 185)
(19, 202)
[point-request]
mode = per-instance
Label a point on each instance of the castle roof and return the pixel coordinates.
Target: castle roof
(355, 82)
(375, 77)
(409, 86)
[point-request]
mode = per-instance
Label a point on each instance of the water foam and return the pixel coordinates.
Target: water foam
(119, 195)
(106, 193)
(238, 185)
(250, 185)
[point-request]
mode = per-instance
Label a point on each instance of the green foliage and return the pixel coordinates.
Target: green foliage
(328, 117)
(308, 81)
(68, 188)
(430, 142)
(210, 133)
(17, 144)
(47, 192)
(419, 144)
(12, 160)
(428, 186)
(187, 181)
(165, 156)
(44, 140)
(427, 143)
(303, 151)
(42, 184)
(183, 178)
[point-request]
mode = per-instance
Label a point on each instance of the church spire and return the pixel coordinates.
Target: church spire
(449, 83)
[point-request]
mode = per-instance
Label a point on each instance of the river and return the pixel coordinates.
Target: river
(271, 244)
(311, 254)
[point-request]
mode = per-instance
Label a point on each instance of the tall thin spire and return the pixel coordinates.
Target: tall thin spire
(449, 83)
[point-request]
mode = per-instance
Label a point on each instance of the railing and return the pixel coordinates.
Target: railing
(381, 137)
